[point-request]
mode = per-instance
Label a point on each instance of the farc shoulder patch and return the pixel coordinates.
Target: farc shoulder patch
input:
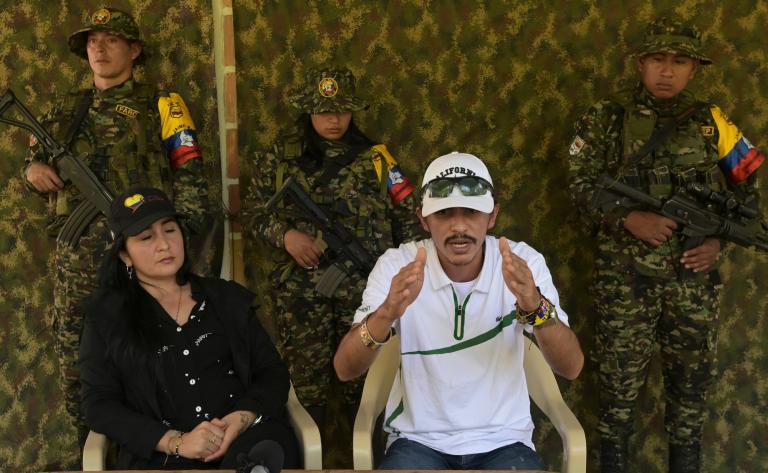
(576, 145)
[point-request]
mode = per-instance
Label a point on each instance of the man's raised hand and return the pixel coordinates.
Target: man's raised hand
(518, 277)
(406, 286)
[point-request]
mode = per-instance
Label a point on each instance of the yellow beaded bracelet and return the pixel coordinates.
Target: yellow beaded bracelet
(545, 311)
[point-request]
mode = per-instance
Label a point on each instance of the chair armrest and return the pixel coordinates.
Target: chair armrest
(306, 432)
(543, 389)
(95, 452)
(378, 383)
(362, 442)
(573, 438)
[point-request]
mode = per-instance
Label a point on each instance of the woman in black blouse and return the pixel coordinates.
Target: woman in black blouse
(176, 368)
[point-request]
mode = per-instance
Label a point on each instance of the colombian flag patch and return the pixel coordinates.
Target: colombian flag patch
(738, 158)
(181, 147)
(398, 185)
(178, 130)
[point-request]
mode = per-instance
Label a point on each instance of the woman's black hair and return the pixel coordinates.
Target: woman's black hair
(135, 329)
(315, 146)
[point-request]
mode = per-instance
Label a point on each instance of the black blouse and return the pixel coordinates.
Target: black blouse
(134, 402)
(199, 381)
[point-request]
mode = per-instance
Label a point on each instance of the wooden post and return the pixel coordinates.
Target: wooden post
(226, 94)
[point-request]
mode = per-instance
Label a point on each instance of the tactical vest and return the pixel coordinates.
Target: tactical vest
(120, 137)
(358, 199)
(688, 155)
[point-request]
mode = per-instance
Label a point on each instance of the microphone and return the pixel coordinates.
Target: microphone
(265, 457)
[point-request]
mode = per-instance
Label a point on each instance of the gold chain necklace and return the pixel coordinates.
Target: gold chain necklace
(178, 307)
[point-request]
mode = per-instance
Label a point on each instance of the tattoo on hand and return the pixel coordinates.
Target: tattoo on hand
(245, 419)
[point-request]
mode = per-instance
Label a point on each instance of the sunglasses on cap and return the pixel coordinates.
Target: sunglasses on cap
(469, 186)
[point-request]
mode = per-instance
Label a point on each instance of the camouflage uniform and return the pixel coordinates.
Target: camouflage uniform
(369, 196)
(641, 298)
(131, 134)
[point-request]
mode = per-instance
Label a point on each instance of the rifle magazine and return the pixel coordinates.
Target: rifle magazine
(76, 223)
(331, 280)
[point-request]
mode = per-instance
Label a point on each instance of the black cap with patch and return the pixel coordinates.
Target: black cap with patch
(137, 209)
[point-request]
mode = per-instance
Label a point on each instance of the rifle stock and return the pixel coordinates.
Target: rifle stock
(97, 197)
(344, 249)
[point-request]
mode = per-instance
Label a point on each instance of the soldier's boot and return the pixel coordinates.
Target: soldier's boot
(685, 458)
(613, 455)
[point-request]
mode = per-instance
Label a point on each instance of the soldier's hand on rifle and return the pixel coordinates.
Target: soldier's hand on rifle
(44, 178)
(701, 258)
(302, 249)
(405, 288)
(649, 227)
(518, 277)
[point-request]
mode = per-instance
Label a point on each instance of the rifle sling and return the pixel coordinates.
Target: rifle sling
(77, 119)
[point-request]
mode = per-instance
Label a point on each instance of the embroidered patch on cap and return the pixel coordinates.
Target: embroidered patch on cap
(328, 87)
(101, 17)
(134, 201)
(708, 130)
(576, 145)
(127, 111)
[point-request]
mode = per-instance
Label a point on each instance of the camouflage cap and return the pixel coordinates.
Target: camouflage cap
(110, 20)
(329, 89)
(665, 35)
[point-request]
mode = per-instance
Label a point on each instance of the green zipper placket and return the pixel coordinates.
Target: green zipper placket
(459, 314)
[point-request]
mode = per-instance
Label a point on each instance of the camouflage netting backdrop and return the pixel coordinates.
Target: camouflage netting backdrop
(503, 79)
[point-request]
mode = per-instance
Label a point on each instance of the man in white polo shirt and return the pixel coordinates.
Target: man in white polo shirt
(460, 302)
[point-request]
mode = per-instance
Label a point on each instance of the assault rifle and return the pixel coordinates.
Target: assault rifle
(345, 251)
(707, 214)
(97, 197)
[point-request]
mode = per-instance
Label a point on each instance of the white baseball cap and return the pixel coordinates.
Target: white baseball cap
(453, 167)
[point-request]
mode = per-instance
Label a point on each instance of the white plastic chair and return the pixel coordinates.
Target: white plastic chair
(542, 388)
(307, 434)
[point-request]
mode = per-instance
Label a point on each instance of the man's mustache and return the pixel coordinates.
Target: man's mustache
(460, 238)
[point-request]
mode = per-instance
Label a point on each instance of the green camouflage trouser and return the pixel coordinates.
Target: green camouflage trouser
(636, 312)
(74, 280)
(310, 328)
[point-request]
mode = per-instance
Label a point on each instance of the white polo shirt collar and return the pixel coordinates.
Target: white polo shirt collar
(439, 279)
